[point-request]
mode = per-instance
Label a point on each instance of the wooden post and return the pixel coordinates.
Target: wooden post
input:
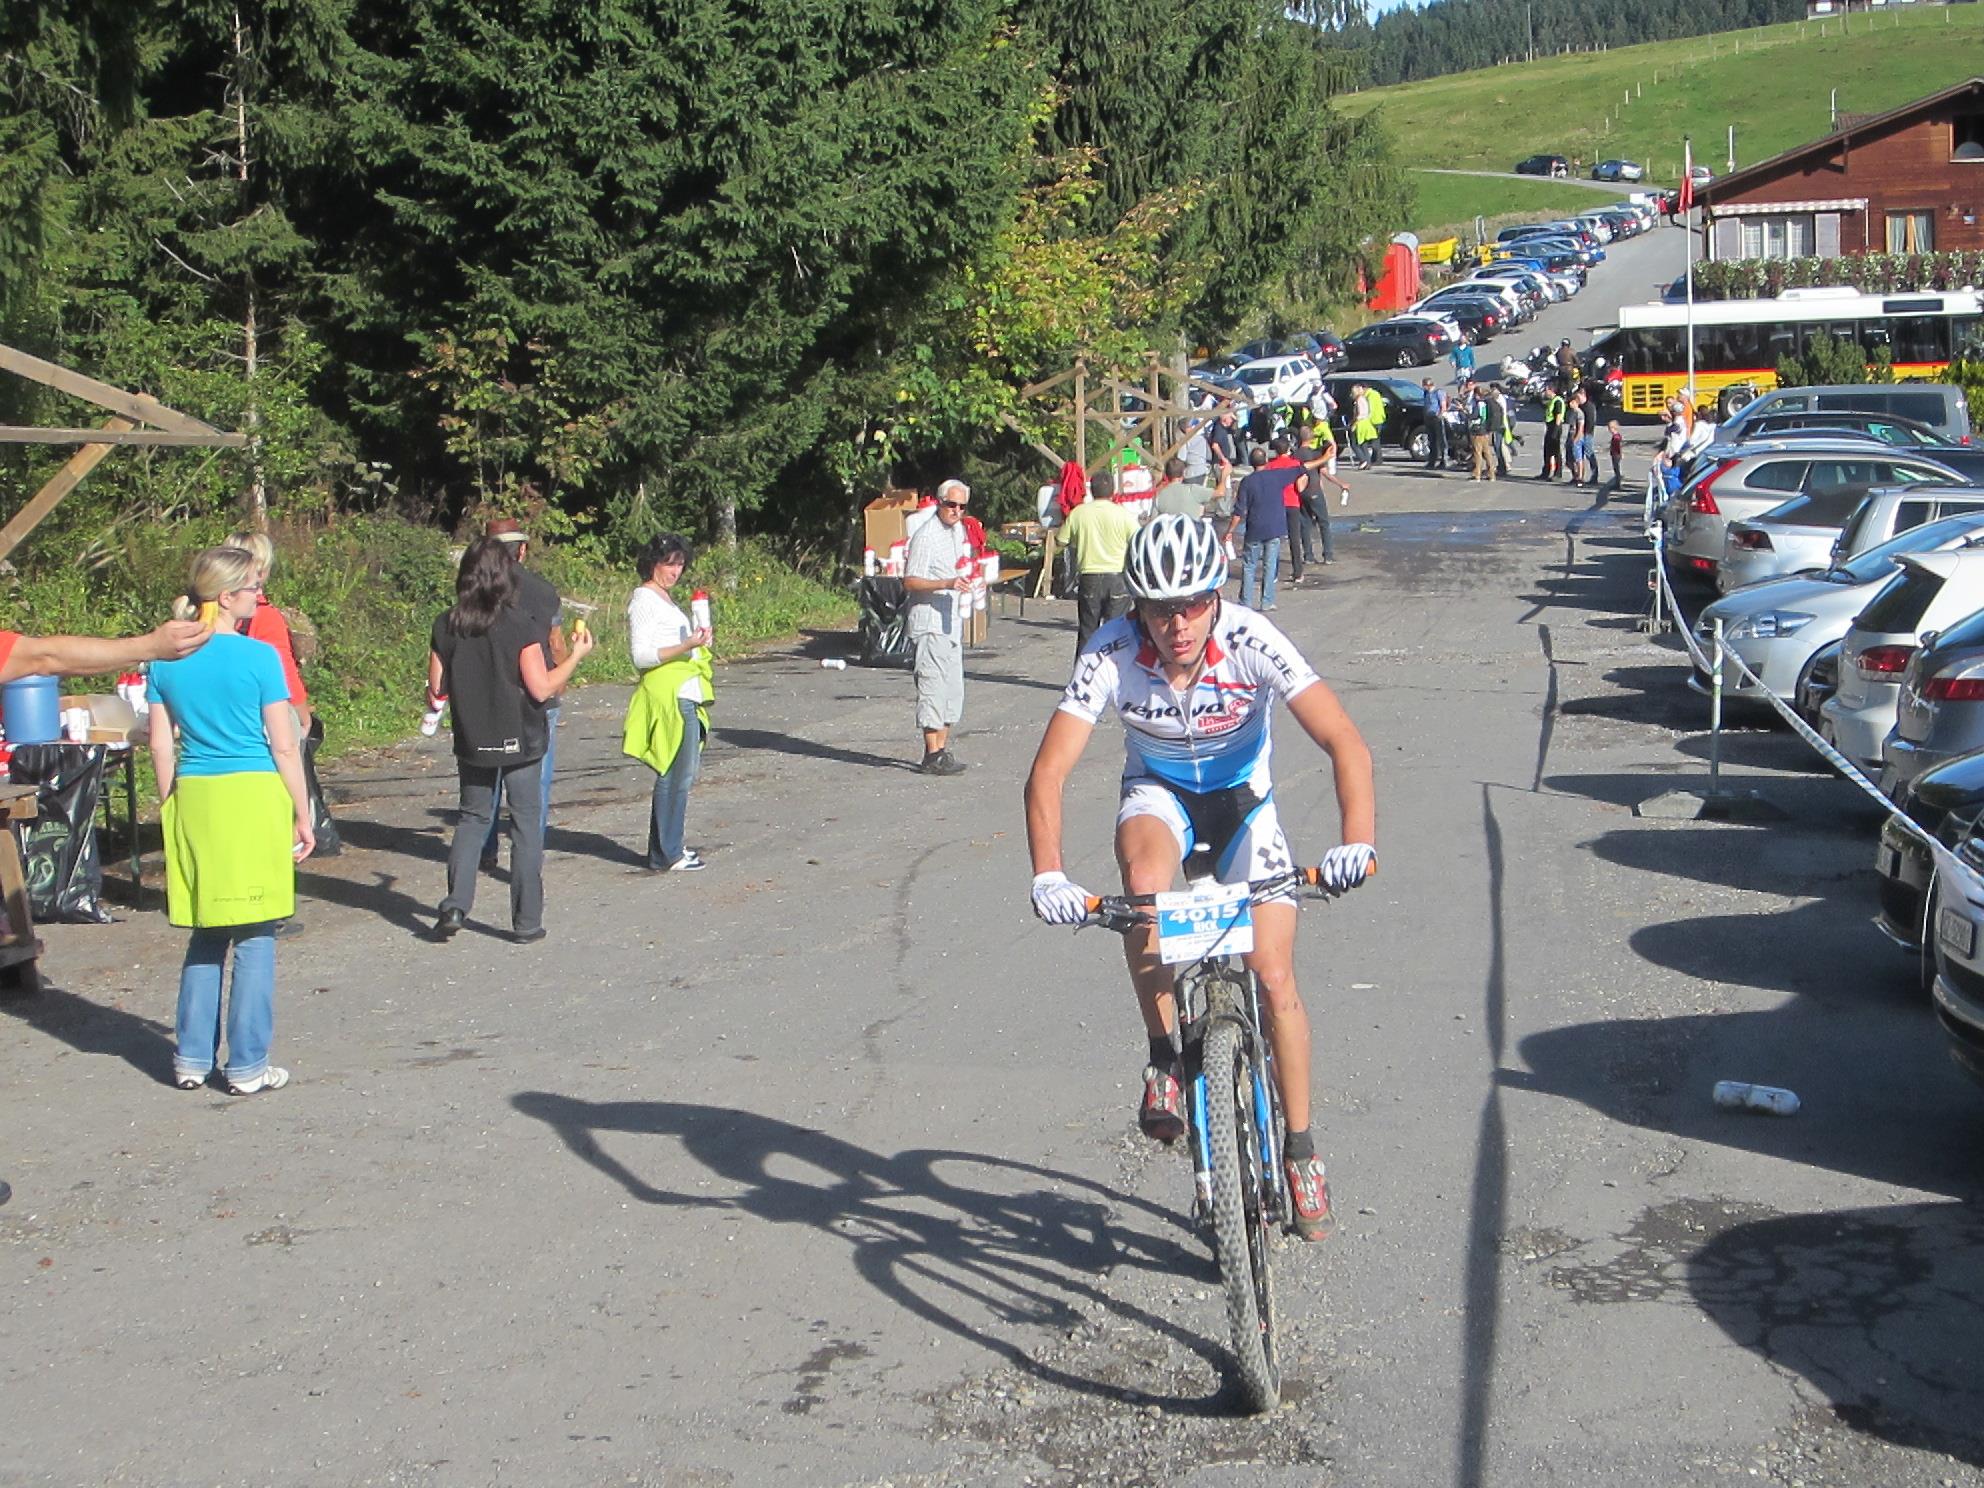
(1081, 414)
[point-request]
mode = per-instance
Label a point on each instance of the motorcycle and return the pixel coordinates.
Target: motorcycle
(1529, 379)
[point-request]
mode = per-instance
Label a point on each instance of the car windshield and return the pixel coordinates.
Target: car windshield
(1255, 376)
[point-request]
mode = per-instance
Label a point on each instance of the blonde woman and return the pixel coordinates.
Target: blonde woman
(236, 822)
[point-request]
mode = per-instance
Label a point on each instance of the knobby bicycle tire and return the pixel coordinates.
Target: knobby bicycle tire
(1240, 1236)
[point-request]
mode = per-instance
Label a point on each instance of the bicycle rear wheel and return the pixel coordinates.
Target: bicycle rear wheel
(1240, 1228)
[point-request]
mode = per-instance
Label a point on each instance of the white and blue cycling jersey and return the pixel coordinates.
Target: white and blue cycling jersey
(1217, 737)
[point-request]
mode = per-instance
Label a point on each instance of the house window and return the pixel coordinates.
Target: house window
(1967, 137)
(1911, 232)
(1778, 237)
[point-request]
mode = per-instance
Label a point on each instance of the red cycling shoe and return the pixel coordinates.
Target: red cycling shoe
(1162, 1115)
(1309, 1197)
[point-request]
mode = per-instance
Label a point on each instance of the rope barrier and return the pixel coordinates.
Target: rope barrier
(1941, 855)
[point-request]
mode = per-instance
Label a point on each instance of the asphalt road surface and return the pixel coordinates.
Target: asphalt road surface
(819, 1167)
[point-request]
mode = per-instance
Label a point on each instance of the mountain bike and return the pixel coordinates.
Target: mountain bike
(1233, 1115)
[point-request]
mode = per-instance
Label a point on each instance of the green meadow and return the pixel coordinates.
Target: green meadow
(1774, 85)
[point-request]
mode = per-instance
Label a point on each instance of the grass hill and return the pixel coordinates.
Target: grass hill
(1774, 84)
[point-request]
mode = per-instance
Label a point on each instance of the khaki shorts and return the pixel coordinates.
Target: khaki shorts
(939, 672)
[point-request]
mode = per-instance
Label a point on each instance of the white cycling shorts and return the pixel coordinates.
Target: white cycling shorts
(1242, 831)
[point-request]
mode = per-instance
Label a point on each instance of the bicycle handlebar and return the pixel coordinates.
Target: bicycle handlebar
(1125, 912)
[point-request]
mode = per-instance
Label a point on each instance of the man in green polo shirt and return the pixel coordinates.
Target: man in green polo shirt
(1099, 531)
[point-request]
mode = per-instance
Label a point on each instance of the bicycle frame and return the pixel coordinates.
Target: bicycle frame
(1198, 1008)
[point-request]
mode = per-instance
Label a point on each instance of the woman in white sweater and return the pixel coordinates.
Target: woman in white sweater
(662, 636)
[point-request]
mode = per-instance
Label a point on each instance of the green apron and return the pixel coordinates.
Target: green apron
(228, 858)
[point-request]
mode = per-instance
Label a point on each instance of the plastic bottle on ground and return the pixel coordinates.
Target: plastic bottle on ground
(1740, 1095)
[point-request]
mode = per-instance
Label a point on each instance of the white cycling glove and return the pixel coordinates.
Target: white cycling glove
(1348, 866)
(1057, 901)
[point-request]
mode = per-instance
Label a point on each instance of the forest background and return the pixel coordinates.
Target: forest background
(618, 268)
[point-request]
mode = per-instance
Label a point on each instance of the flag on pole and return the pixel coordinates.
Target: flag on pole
(1687, 199)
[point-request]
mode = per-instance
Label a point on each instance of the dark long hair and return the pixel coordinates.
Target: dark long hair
(484, 587)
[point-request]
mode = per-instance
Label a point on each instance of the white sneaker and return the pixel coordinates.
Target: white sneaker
(272, 1077)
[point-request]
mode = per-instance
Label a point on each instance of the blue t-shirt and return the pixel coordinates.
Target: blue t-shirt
(1260, 503)
(216, 696)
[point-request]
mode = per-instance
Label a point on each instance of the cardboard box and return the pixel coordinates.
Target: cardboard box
(884, 519)
(112, 720)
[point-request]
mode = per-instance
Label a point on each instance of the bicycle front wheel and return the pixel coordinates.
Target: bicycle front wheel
(1240, 1227)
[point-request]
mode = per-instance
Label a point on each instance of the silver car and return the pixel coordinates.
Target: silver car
(1750, 481)
(1780, 627)
(1940, 713)
(1822, 526)
(1932, 591)
(1959, 984)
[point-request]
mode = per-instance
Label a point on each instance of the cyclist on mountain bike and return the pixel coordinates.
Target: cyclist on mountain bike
(1194, 680)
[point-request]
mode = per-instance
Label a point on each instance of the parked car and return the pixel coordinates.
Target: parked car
(1623, 224)
(1279, 380)
(1532, 288)
(1779, 627)
(1397, 343)
(1900, 432)
(1324, 348)
(1210, 389)
(1940, 712)
(1618, 170)
(1751, 481)
(1938, 405)
(1436, 317)
(1543, 165)
(1959, 976)
(1821, 681)
(1480, 316)
(1404, 404)
(1932, 591)
(1701, 175)
(1944, 802)
(1828, 522)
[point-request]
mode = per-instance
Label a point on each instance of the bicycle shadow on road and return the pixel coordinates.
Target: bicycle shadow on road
(1026, 1258)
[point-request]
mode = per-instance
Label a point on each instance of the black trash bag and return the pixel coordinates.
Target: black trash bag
(1067, 573)
(329, 843)
(884, 628)
(64, 869)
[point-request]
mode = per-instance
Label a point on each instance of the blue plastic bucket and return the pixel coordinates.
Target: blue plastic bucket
(31, 710)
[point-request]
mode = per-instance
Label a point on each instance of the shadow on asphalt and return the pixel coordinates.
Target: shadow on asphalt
(765, 739)
(92, 1028)
(1880, 1309)
(915, 1232)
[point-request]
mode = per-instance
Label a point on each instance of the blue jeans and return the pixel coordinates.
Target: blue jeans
(251, 1002)
(1262, 559)
(671, 793)
(544, 813)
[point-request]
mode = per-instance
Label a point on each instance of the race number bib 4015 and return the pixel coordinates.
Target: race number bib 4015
(1214, 920)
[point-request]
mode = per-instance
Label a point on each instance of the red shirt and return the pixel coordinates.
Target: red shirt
(267, 624)
(7, 639)
(1290, 497)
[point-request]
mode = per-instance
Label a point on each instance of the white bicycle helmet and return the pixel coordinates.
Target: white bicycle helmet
(1175, 557)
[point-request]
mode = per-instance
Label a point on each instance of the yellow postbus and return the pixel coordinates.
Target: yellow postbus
(1644, 362)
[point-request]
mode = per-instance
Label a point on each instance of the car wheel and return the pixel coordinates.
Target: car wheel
(1405, 359)
(1419, 445)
